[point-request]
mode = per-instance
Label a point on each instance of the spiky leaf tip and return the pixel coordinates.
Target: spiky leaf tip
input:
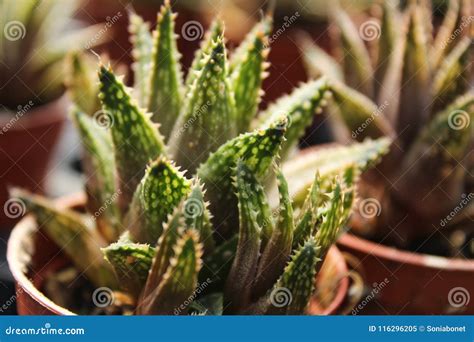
(131, 263)
(142, 42)
(208, 119)
(166, 86)
(246, 79)
(299, 108)
(136, 139)
(70, 232)
(179, 282)
(99, 168)
(296, 285)
(160, 191)
(257, 150)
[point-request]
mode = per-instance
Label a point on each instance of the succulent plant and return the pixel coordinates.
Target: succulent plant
(417, 87)
(36, 36)
(187, 226)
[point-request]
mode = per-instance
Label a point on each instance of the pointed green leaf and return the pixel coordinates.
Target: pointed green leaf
(136, 139)
(297, 281)
(166, 85)
(329, 161)
(247, 77)
(299, 107)
(99, 168)
(215, 31)
(198, 217)
(68, 230)
(257, 149)
(142, 57)
(207, 120)
(277, 251)
(131, 263)
(179, 282)
(361, 116)
(161, 190)
(358, 69)
(242, 273)
(452, 78)
(415, 80)
(82, 83)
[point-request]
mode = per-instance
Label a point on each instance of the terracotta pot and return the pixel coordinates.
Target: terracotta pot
(32, 257)
(413, 284)
(26, 146)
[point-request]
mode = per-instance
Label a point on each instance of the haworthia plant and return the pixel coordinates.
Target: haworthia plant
(423, 97)
(196, 232)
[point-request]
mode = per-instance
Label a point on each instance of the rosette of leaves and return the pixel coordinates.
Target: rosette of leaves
(397, 78)
(36, 36)
(180, 209)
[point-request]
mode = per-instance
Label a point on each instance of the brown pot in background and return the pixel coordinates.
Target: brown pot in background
(27, 144)
(410, 283)
(32, 257)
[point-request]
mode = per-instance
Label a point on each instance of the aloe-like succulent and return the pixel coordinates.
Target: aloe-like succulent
(36, 37)
(184, 206)
(417, 87)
